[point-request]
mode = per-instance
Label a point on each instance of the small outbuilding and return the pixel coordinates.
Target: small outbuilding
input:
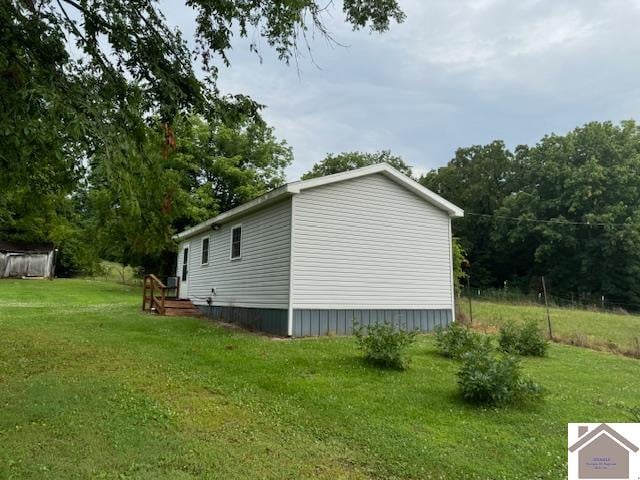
(26, 260)
(315, 256)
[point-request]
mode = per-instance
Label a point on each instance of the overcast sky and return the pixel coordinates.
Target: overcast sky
(455, 73)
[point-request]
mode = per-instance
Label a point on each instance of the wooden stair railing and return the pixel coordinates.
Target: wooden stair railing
(150, 286)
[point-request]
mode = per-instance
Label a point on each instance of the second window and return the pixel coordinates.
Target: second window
(236, 242)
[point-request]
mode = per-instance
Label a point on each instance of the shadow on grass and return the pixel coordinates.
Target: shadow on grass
(362, 364)
(466, 407)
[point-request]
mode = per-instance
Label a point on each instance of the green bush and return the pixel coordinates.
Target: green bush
(509, 338)
(532, 341)
(488, 378)
(456, 340)
(383, 345)
(525, 339)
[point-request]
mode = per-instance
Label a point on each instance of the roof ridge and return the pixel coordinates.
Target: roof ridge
(296, 187)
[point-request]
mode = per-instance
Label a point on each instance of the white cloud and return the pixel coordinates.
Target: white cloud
(454, 74)
(560, 31)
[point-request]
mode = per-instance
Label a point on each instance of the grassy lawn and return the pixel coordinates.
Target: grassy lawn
(597, 328)
(92, 388)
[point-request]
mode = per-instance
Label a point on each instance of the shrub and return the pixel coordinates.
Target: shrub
(509, 338)
(525, 339)
(456, 340)
(488, 378)
(383, 345)
(532, 341)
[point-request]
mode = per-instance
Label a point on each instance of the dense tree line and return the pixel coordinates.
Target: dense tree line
(567, 208)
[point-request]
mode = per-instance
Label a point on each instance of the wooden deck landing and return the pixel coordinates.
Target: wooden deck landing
(180, 308)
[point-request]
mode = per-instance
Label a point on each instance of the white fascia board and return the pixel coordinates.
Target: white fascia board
(338, 177)
(425, 193)
(389, 172)
(296, 187)
(229, 215)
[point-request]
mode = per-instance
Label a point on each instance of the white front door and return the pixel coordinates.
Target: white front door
(184, 271)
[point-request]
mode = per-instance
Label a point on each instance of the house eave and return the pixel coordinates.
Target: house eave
(296, 187)
(391, 173)
(255, 204)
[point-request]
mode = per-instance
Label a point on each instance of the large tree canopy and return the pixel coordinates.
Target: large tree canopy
(226, 165)
(477, 179)
(567, 208)
(93, 96)
(138, 198)
(130, 43)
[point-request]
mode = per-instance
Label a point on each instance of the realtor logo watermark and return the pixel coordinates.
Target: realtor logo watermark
(604, 450)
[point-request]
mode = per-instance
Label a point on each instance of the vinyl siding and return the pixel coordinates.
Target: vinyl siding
(368, 243)
(260, 278)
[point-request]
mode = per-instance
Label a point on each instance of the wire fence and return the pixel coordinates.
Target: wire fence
(599, 303)
(488, 309)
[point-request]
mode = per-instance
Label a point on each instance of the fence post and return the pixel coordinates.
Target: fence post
(469, 295)
(546, 303)
(470, 302)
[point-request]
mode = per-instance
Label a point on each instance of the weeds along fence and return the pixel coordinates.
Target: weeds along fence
(587, 322)
(516, 297)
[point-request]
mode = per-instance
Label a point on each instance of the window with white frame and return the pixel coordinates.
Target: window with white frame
(205, 251)
(236, 242)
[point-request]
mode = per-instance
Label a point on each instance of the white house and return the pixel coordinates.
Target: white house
(313, 256)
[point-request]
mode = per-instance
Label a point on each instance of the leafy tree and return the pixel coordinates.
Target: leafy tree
(342, 162)
(82, 80)
(39, 130)
(566, 208)
(459, 263)
(586, 184)
(131, 40)
(134, 196)
(478, 179)
(139, 198)
(228, 164)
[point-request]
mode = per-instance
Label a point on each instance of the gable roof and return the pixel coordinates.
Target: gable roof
(601, 429)
(294, 188)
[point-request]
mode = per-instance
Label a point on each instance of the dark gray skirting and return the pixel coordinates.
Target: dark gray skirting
(268, 320)
(313, 323)
(308, 323)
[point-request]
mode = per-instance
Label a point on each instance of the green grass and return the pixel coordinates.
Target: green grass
(92, 388)
(601, 329)
(115, 272)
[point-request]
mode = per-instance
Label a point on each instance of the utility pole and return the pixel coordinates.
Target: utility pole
(546, 303)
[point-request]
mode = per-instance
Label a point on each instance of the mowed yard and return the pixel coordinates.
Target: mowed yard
(90, 387)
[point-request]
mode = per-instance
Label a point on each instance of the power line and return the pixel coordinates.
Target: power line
(555, 222)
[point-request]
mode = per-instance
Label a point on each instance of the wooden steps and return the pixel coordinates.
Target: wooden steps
(155, 298)
(180, 308)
